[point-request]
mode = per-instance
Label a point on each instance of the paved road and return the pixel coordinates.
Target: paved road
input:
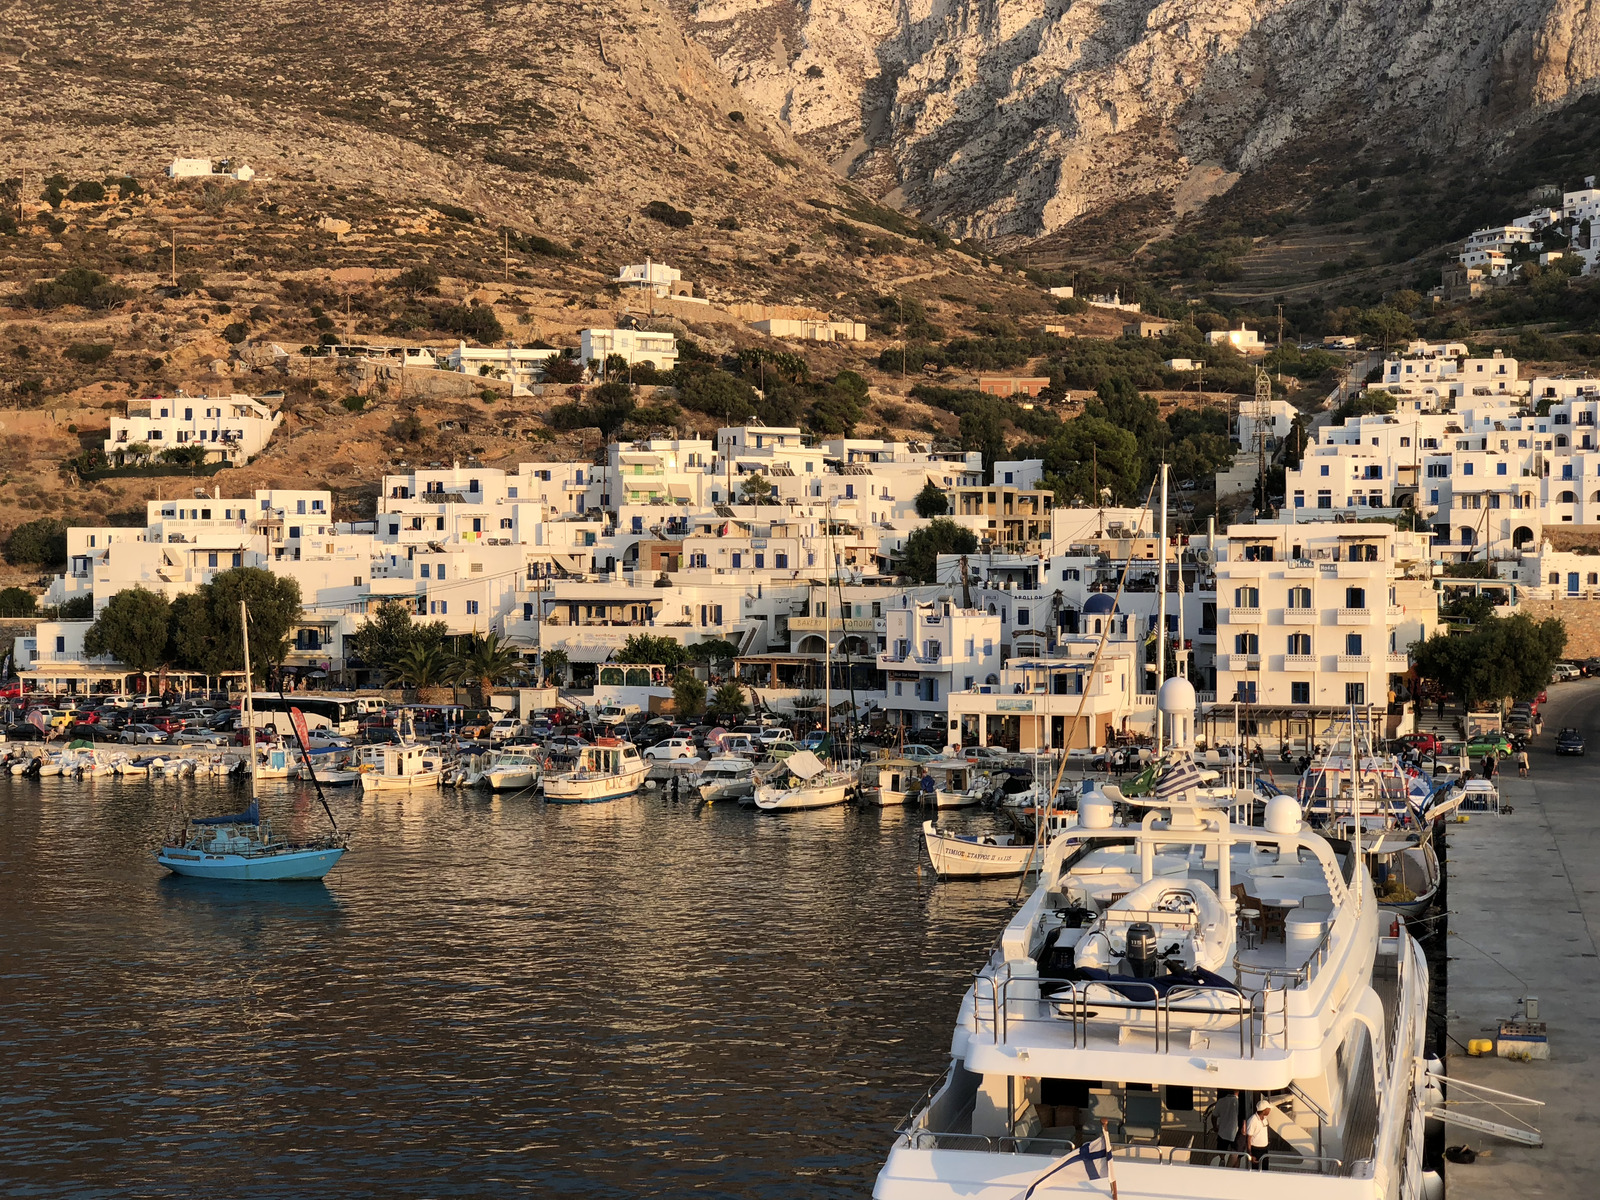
(1525, 904)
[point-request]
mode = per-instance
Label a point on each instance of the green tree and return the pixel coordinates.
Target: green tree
(75, 609)
(484, 663)
(756, 490)
(688, 695)
(554, 664)
(1501, 657)
(17, 602)
(717, 394)
(649, 648)
(728, 702)
(919, 557)
(209, 636)
(40, 543)
(76, 285)
(1373, 400)
(423, 666)
(1388, 324)
(419, 280)
(133, 629)
(1087, 453)
(983, 429)
(711, 651)
(932, 501)
(390, 632)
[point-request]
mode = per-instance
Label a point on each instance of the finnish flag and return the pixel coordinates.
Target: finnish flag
(1091, 1161)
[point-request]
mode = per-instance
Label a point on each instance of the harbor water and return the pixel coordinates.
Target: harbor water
(488, 996)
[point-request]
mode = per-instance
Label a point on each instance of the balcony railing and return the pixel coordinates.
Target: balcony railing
(1355, 616)
(1242, 662)
(1354, 662)
(1301, 616)
(1397, 664)
(1236, 615)
(1300, 662)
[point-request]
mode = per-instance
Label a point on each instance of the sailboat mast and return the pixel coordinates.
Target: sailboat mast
(249, 686)
(827, 625)
(1161, 613)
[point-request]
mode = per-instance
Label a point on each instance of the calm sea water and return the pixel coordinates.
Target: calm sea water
(485, 997)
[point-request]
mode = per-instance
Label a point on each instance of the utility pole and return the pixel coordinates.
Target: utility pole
(174, 256)
(506, 234)
(1262, 415)
(966, 590)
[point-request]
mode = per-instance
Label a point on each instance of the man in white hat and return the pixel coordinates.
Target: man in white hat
(1255, 1133)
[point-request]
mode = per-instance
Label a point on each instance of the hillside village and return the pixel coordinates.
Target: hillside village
(668, 452)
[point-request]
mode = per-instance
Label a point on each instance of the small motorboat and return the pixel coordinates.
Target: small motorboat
(400, 767)
(725, 777)
(979, 855)
(514, 771)
(608, 770)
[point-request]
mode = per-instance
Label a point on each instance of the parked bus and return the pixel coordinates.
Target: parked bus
(339, 714)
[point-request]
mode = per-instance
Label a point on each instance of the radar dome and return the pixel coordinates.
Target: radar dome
(1176, 696)
(1096, 811)
(1283, 815)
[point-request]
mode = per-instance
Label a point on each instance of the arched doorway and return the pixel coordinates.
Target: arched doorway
(1522, 536)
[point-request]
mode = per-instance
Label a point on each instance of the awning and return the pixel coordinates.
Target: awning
(804, 764)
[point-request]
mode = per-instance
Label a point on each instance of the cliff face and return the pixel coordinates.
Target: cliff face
(999, 118)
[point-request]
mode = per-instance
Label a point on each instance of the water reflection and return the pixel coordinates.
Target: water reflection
(486, 996)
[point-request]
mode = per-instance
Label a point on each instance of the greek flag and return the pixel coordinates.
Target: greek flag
(1090, 1161)
(1181, 777)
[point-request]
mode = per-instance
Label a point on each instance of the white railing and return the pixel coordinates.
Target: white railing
(1355, 616)
(1300, 662)
(1301, 616)
(1354, 662)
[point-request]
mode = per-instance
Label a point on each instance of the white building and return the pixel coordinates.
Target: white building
(519, 366)
(635, 346)
(934, 648)
(232, 429)
(656, 279)
(1245, 341)
(204, 168)
(812, 331)
(1313, 620)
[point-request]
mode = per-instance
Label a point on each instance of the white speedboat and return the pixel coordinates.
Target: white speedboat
(803, 781)
(608, 770)
(400, 767)
(726, 777)
(514, 771)
(1133, 991)
(277, 762)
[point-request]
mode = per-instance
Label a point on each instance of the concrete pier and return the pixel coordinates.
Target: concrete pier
(1524, 893)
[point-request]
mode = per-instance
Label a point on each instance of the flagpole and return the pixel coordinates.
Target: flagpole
(1105, 1136)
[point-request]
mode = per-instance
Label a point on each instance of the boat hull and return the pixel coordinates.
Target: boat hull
(374, 781)
(800, 799)
(246, 868)
(510, 781)
(567, 790)
(956, 857)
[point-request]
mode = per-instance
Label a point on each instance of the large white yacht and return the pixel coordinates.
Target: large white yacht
(1138, 985)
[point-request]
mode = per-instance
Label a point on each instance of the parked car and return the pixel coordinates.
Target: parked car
(1488, 743)
(672, 748)
(145, 734)
(92, 733)
(24, 733)
(166, 724)
(1569, 741)
(772, 733)
(812, 740)
(506, 727)
(325, 739)
(199, 735)
(1562, 672)
(781, 749)
(567, 743)
(919, 754)
(11, 690)
(985, 755)
(1423, 743)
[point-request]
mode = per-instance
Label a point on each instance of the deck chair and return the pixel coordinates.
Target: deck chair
(1142, 1121)
(1248, 907)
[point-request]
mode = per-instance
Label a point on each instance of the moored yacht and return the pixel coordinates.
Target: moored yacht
(725, 777)
(803, 781)
(1135, 989)
(399, 767)
(514, 771)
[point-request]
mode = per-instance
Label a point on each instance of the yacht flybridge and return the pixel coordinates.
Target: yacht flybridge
(1143, 981)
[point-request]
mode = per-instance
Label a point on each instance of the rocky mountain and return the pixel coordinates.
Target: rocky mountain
(1007, 120)
(568, 118)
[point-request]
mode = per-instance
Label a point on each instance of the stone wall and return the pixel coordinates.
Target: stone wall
(1581, 617)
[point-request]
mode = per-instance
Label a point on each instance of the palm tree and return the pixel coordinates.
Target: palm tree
(487, 661)
(728, 701)
(423, 666)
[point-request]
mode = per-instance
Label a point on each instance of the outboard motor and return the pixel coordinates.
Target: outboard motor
(1141, 952)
